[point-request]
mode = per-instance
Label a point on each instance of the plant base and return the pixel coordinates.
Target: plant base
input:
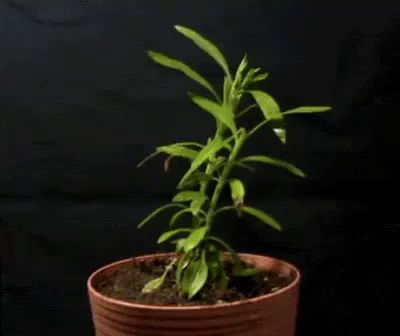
(270, 314)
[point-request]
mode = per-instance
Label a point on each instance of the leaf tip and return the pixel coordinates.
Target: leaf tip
(179, 28)
(152, 54)
(301, 174)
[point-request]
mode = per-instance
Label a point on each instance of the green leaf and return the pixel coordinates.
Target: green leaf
(237, 192)
(147, 158)
(195, 238)
(197, 178)
(153, 285)
(157, 212)
(206, 46)
(250, 77)
(178, 150)
(181, 66)
(271, 111)
(169, 234)
(208, 151)
(221, 113)
(260, 77)
(196, 205)
(183, 262)
(195, 276)
(179, 245)
(227, 89)
(190, 143)
(274, 162)
(188, 196)
(243, 165)
(239, 72)
(262, 216)
(308, 109)
(245, 271)
(156, 283)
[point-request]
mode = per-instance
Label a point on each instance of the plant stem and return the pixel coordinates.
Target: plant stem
(257, 127)
(224, 177)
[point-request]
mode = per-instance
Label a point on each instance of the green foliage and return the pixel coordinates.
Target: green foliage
(200, 261)
(308, 109)
(271, 111)
(221, 113)
(180, 66)
(156, 283)
(262, 216)
(194, 275)
(207, 46)
(274, 162)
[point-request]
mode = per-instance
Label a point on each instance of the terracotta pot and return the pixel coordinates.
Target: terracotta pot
(267, 315)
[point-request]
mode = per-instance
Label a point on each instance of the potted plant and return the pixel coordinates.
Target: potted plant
(205, 287)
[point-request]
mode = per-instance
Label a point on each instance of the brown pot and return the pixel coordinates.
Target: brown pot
(267, 315)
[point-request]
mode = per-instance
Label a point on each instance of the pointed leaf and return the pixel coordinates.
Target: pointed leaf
(239, 72)
(181, 66)
(227, 89)
(243, 165)
(271, 111)
(260, 77)
(274, 162)
(178, 150)
(153, 285)
(195, 238)
(182, 264)
(169, 234)
(308, 109)
(196, 205)
(262, 216)
(187, 196)
(147, 158)
(197, 178)
(222, 113)
(190, 143)
(156, 283)
(195, 276)
(157, 212)
(207, 46)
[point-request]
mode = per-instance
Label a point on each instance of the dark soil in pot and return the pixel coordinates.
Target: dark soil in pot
(127, 283)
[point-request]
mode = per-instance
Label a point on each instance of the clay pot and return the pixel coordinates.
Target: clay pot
(267, 315)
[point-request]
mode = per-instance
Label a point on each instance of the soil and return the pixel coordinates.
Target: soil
(127, 283)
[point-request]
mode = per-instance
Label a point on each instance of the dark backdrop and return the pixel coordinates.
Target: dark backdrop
(81, 104)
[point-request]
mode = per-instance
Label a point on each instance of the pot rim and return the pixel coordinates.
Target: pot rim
(93, 291)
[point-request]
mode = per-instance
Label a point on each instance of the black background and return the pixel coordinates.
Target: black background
(81, 104)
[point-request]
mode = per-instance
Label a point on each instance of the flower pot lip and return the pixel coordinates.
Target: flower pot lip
(153, 307)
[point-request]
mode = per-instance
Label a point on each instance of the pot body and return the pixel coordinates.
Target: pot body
(267, 315)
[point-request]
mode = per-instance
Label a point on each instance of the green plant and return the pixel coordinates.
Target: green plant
(199, 252)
